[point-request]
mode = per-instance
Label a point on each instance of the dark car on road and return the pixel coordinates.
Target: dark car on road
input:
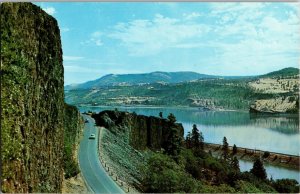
(92, 136)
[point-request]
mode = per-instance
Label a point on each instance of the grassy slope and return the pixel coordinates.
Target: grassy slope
(233, 94)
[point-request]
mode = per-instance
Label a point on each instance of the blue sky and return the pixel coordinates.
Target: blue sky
(211, 38)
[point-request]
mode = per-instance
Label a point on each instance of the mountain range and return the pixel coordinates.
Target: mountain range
(163, 77)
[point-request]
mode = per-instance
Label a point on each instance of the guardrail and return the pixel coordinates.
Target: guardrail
(105, 165)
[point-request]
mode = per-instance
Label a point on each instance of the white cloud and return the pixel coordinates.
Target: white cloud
(49, 10)
(95, 39)
(255, 37)
(191, 16)
(65, 29)
(98, 42)
(96, 34)
(146, 37)
(72, 58)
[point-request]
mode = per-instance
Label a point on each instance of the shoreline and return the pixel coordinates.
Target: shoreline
(170, 107)
(130, 108)
(260, 114)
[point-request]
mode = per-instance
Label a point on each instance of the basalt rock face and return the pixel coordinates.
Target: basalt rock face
(144, 132)
(73, 126)
(32, 97)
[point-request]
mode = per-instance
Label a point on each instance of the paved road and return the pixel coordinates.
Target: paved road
(91, 168)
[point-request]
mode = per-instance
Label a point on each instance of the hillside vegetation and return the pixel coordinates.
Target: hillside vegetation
(178, 165)
(206, 93)
(139, 79)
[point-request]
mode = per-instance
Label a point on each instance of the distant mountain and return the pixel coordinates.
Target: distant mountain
(289, 71)
(138, 79)
(167, 77)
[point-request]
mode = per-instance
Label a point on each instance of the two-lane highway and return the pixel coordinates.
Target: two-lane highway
(92, 170)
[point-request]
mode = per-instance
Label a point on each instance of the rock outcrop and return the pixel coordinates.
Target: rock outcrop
(73, 126)
(32, 125)
(289, 104)
(144, 132)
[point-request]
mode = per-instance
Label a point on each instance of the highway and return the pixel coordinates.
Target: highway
(92, 170)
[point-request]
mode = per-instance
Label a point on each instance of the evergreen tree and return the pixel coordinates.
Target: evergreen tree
(258, 169)
(172, 118)
(234, 150)
(225, 148)
(173, 144)
(188, 141)
(195, 137)
(160, 114)
(235, 164)
(201, 141)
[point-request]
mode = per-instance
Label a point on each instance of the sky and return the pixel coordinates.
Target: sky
(101, 38)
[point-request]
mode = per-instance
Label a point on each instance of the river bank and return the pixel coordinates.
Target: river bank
(201, 109)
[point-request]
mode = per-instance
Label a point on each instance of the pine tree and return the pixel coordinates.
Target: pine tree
(160, 114)
(225, 148)
(235, 164)
(234, 150)
(201, 141)
(172, 118)
(258, 169)
(174, 143)
(195, 139)
(188, 141)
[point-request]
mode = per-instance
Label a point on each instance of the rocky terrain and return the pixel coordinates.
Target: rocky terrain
(288, 104)
(128, 139)
(144, 132)
(75, 184)
(73, 126)
(285, 91)
(122, 159)
(276, 85)
(33, 117)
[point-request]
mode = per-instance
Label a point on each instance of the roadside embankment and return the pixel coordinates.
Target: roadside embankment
(73, 128)
(285, 160)
(120, 160)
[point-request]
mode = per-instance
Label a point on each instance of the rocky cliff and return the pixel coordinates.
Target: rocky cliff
(73, 126)
(144, 132)
(32, 125)
(289, 104)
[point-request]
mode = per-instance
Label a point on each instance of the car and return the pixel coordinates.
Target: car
(92, 136)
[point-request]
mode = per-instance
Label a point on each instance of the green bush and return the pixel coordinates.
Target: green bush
(286, 186)
(162, 174)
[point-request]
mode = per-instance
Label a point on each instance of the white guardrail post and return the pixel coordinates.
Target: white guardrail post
(106, 167)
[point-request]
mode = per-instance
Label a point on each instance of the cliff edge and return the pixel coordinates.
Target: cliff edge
(32, 124)
(144, 132)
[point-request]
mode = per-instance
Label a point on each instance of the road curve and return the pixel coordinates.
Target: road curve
(92, 170)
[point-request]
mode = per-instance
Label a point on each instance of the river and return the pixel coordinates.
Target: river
(272, 133)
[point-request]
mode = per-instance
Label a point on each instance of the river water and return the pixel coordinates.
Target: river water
(272, 133)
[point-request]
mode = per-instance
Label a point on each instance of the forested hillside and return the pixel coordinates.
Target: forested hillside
(206, 93)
